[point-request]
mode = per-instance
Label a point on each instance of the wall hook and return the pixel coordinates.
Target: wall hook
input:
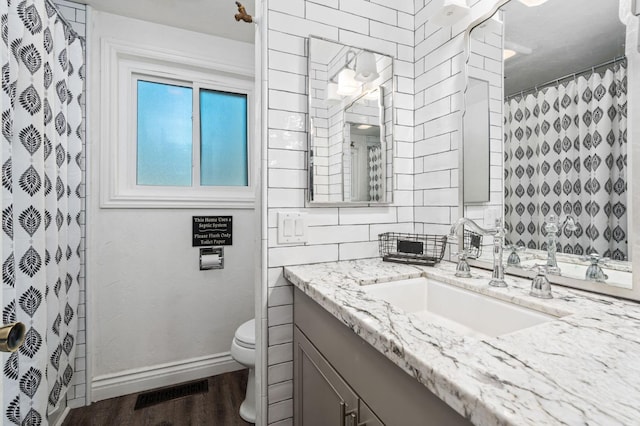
(242, 14)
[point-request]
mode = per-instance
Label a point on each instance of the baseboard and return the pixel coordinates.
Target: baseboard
(157, 376)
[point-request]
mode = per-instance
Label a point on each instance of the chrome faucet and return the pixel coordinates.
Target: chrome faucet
(498, 233)
(552, 227)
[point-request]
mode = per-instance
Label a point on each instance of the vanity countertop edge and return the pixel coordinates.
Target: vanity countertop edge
(582, 368)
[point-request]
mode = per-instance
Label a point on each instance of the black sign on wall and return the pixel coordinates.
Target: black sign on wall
(212, 231)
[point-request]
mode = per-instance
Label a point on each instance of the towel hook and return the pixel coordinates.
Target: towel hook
(242, 14)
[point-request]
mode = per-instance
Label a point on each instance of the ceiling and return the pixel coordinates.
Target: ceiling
(565, 37)
(214, 17)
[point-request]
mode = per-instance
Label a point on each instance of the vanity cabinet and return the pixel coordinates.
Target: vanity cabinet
(341, 380)
(323, 398)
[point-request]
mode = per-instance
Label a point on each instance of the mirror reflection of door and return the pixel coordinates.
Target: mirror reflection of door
(366, 177)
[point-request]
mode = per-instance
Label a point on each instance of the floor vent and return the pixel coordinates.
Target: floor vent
(162, 395)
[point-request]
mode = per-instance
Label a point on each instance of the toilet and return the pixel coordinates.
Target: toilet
(243, 350)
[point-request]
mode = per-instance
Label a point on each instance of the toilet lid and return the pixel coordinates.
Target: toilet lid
(246, 334)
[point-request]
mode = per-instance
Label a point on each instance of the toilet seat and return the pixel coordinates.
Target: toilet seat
(246, 335)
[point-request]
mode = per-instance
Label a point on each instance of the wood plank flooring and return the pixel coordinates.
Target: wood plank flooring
(218, 407)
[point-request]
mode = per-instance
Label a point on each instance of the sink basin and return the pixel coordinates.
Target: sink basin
(464, 311)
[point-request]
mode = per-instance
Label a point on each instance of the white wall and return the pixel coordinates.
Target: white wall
(335, 233)
(439, 86)
(154, 317)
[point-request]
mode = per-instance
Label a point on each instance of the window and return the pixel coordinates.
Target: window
(223, 138)
(165, 136)
(175, 134)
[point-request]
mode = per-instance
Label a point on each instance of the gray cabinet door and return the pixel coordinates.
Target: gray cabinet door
(367, 417)
(321, 397)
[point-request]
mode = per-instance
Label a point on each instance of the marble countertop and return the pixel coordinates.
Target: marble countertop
(583, 368)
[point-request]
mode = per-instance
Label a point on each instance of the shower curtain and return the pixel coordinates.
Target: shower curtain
(566, 153)
(42, 84)
(375, 173)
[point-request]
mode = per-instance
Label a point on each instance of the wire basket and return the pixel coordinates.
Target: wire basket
(419, 249)
(472, 244)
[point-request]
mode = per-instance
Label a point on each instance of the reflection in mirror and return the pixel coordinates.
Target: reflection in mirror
(558, 138)
(476, 142)
(350, 112)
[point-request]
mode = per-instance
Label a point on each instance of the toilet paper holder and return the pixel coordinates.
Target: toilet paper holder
(211, 258)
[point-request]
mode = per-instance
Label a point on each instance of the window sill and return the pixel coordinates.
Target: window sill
(181, 198)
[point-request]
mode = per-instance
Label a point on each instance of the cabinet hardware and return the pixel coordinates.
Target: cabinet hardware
(347, 419)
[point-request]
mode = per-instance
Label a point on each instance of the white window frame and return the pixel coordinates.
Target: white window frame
(125, 64)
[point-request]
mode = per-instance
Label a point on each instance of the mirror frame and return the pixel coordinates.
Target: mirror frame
(633, 135)
(390, 149)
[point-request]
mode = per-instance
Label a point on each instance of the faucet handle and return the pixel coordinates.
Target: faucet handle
(463, 270)
(514, 258)
(595, 272)
(540, 285)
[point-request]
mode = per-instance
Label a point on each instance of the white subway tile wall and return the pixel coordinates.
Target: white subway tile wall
(335, 233)
(439, 86)
(76, 15)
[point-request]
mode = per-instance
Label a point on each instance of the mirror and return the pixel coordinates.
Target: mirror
(350, 119)
(557, 107)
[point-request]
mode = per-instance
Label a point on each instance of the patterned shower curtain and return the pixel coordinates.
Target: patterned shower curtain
(376, 186)
(42, 83)
(566, 153)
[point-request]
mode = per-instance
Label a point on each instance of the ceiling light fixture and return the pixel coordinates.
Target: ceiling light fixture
(508, 53)
(511, 49)
(347, 84)
(332, 92)
(532, 3)
(451, 12)
(366, 70)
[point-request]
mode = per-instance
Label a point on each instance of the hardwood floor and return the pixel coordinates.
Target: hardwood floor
(218, 407)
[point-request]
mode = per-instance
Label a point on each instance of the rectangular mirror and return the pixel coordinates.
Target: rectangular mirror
(561, 149)
(476, 142)
(351, 122)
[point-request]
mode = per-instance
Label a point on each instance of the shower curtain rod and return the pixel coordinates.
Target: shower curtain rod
(568, 76)
(63, 19)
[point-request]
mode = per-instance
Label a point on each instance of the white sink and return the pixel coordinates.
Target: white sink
(464, 311)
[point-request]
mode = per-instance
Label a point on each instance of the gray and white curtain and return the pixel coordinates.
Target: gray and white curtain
(42, 84)
(566, 153)
(376, 185)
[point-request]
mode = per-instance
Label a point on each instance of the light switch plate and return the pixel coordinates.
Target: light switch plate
(292, 227)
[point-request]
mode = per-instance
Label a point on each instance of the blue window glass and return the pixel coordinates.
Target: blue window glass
(165, 134)
(223, 138)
